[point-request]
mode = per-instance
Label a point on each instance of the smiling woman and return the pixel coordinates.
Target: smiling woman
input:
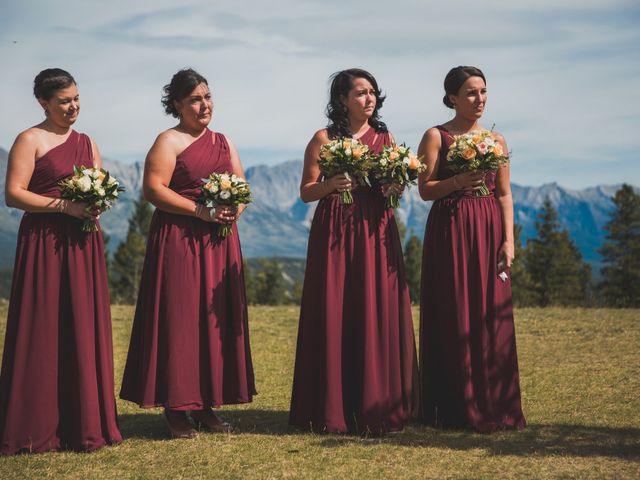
(57, 371)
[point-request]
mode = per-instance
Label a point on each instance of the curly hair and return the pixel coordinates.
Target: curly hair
(341, 84)
(182, 84)
(454, 80)
(49, 80)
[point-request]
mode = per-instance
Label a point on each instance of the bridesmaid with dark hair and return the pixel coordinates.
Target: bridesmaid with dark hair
(356, 364)
(468, 361)
(56, 385)
(189, 347)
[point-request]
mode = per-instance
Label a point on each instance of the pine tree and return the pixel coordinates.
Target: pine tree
(620, 286)
(270, 288)
(559, 275)
(129, 257)
(413, 266)
(250, 283)
(521, 283)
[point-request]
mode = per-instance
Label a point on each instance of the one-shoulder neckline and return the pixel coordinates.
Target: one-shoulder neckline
(207, 134)
(57, 146)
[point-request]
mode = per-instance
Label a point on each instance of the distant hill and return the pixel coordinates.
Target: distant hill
(277, 223)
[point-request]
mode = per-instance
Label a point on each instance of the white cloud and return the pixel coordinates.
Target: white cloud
(561, 74)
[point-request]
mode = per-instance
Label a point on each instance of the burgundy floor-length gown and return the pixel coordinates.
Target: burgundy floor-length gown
(56, 386)
(356, 364)
(189, 345)
(468, 361)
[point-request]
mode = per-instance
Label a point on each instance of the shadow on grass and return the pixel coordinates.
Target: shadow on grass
(536, 439)
(151, 425)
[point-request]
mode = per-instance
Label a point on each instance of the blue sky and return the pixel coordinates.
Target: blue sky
(562, 74)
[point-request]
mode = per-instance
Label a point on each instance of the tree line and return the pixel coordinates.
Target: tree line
(549, 270)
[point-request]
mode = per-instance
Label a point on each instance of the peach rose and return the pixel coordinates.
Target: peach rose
(225, 184)
(357, 152)
(394, 155)
(414, 163)
(497, 149)
(469, 153)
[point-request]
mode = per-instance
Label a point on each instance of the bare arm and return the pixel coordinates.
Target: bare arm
(503, 194)
(158, 169)
(311, 188)
(22, 161)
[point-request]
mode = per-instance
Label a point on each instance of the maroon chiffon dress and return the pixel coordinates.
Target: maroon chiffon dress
(189, 345)
(56, 386)
(468, 361)
(356, 364)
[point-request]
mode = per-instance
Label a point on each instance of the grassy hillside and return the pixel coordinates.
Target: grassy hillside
(580, 373)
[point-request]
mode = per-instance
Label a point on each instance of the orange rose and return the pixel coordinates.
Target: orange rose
(469, 153)
(394, 155)
(225, 184)
(414, 163)
(497, 149)
(357, 152)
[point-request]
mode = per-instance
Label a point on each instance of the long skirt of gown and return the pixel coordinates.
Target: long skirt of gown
(356, 363)
(189, 345)
(57, 387)
(469, 365)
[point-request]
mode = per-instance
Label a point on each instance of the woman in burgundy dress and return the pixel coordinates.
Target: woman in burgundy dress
(189, 347)
(56, 385)
(469, 367)
(356, 363)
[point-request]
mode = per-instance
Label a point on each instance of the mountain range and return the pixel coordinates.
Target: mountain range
(277, 223)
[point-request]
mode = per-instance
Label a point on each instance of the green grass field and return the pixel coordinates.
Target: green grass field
(580, 373)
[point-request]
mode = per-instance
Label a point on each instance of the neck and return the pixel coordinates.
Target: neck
(462, 124)
(52, 127)
(191, 130)
(358, 127)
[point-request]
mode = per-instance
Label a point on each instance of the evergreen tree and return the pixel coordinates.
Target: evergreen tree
(620, 286)
(413, 266)
(129, 257)
(270, 285)
(521, 283)
(250, 283)
(106, 238)
(558, 274)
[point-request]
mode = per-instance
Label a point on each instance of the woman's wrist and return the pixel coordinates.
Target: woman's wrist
(456, 184)
(62, 206)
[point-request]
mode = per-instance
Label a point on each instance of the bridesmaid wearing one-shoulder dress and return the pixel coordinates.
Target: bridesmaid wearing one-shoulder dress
(56, 385)
(189, 347)
(356, 363)
(468, 361)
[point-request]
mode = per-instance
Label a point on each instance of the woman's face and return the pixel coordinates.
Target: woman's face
(63, 107)
(195, 110)
(471, 98)
(361, 99)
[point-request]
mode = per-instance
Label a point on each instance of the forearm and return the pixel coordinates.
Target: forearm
(436, 189)
(169, 201)
(32, 202)
(506, 207)
(312, 191)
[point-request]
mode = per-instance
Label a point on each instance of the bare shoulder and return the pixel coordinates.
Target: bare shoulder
(30, 135)
(431, 136)
(321, 137)
(499, 137)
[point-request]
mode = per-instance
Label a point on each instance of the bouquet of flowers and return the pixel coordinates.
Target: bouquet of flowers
(349, 157)
(224, 189)
(93, 186)
(397, 164)
(476, 151)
